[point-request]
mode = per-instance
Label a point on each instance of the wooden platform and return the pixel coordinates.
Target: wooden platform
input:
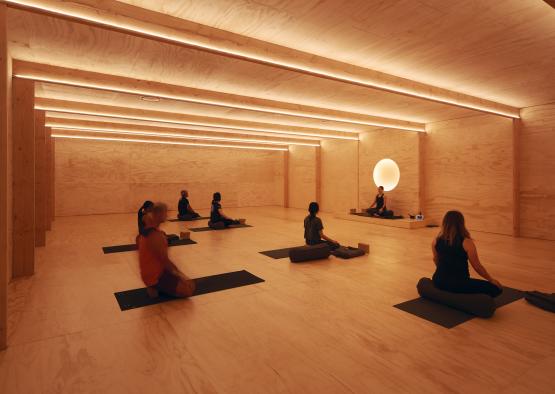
(399, 223)
(323, 327)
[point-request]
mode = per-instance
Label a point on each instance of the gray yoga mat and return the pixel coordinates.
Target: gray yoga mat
(277, 253)
(132, 247)
(137, 298)
(448, 317)
(201, 229)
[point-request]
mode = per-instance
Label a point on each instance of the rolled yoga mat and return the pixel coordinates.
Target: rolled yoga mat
(451, 309)
(201, 229)
(137, 298)
(131, 247)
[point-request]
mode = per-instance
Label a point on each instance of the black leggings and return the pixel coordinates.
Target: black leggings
(468, 286)
(188, 216)
(384, 213)
(322, 241)
(226, 222)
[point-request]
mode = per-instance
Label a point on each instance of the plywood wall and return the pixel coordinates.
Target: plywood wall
(339, 175)
(302, 176)
(113, 177)
(469, 167)
(537, 172)
(400, 146)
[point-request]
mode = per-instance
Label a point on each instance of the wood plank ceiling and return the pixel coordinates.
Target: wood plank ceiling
(282, 69)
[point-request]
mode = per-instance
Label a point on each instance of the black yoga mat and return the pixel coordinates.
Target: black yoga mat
(189, 220)
(449, 317)
(367, 215)
(131, 247)
(277, 253)
(137, 298)
(200, 229)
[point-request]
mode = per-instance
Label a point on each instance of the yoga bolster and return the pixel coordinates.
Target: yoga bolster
(480, 305)
(216, 225)
(309, 252)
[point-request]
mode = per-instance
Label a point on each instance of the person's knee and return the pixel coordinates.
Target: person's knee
(495, 291)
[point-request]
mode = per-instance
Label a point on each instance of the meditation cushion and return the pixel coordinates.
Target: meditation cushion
(216, 225)
(309, 252)
(480, 305)
(348, 252)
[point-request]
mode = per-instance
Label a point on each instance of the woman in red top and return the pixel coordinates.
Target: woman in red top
(158, 272)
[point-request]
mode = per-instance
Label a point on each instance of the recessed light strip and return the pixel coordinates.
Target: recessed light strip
(146, 118)
(176, 135)
(219, 103)
(171, 37)
(79, 137)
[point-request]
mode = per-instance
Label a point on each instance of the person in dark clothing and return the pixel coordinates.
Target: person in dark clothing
(314, 228)
(217, 215)
(379, 206)
(452, 250)
(143, 211)
(185, 211)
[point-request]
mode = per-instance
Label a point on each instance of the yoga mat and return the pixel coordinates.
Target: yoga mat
(366, 215)
(189, 220)
(200, 229)
(449, 317)
(131, 247)
(277, 253)
(137, 298)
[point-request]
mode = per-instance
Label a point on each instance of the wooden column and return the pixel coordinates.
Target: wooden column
(41, 187)
(517, 125)
(318, 174)
(53, 179)
(286, 179)
(48, 177)
(4, 165)
(23, 126)
(421, 171)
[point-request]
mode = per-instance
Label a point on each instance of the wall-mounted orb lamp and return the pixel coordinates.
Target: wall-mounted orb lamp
(387, 174)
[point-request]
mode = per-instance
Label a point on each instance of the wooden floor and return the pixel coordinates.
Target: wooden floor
(326, 327)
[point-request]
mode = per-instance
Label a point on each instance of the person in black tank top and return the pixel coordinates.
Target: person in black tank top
(379, 206)
(314, 228)
(452, 250)
(217, 215)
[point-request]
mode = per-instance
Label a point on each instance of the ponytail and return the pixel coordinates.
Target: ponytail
(313, 209)
(142, 211)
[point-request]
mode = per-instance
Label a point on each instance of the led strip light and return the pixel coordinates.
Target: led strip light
(176, 135)
(146, 118)
(262, 59)
(219, 103)
(79, 137)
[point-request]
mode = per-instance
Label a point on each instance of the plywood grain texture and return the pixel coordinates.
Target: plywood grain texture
(469, 167)
(339, 176)
(5, 190)
(23, 178)
(114, 177)
(41, 186)
(537, 172)
(49, 179)
(302, 176)
(401, 147)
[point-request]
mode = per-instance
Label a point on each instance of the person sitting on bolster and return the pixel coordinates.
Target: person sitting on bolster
(142, 213)
(217, 215)
(379, 206)
(452, 249)
(314, 229)
(185, 211)
(158, 272)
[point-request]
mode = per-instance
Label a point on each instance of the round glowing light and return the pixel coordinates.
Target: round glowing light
(387, 174)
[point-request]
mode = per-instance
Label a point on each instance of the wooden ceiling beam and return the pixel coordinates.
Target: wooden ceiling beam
(53, 105)
(115, 83)
(145, 23)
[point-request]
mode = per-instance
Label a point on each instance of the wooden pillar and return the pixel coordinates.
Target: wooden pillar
(319, 175)
(41, 188)
(421, 171)
(53, 179)
(4, 177)
(517, 125)
(48, 177)
(286, 179)
(23, 124)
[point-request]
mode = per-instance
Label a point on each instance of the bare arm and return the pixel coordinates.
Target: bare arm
(470, 249)
(324, 236)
